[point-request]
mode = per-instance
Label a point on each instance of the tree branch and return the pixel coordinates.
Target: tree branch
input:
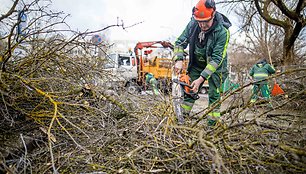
(10, 11)
(289, 13)
(265, 14)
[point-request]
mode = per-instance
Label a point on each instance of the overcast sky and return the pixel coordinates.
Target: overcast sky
(161, 19)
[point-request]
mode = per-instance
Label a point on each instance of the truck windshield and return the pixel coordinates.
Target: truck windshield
(124, 60)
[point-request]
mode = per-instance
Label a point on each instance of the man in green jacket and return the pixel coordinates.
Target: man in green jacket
(207, 36)
(259, 72)
(150, 79)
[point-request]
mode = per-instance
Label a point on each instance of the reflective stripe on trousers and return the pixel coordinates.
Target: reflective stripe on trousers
(186, 107)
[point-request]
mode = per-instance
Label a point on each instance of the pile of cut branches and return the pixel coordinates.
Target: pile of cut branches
(79, 129)
(57, 116)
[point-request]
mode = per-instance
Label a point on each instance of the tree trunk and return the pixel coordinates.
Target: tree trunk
(288, 55)
(288, 51)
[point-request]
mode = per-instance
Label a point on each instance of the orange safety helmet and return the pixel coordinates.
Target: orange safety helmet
(204, 10)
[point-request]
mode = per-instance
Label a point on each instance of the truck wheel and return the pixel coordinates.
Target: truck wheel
(132, 89)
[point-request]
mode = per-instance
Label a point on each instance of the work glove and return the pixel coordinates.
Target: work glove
(196, 83)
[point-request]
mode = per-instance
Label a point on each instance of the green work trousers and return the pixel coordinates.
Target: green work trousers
(153, 83)
(214, 94)
(263, 88)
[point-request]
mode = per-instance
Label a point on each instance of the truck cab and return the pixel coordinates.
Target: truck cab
(122, 66)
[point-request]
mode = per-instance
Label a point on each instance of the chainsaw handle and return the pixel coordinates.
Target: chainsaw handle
(193, 95)
(181, 83)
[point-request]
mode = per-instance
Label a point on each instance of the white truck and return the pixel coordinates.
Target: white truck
(123, 68)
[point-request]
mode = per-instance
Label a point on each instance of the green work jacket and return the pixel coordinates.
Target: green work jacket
(261, 71)
(150, 79)
(215, 46)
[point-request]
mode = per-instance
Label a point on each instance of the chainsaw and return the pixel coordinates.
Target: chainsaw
(180, 89)
(187, 89)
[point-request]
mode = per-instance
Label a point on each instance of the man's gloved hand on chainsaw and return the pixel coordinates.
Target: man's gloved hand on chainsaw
(196, 84)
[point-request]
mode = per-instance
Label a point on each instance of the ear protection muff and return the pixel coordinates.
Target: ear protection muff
(193, 10)
(210, 4)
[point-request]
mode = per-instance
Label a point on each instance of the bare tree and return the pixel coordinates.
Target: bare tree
(289, 16)
(48, 72)
(292, 21)
(261, 39)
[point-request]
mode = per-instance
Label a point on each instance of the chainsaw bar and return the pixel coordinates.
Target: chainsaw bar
(178, 93)
(177, 100)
